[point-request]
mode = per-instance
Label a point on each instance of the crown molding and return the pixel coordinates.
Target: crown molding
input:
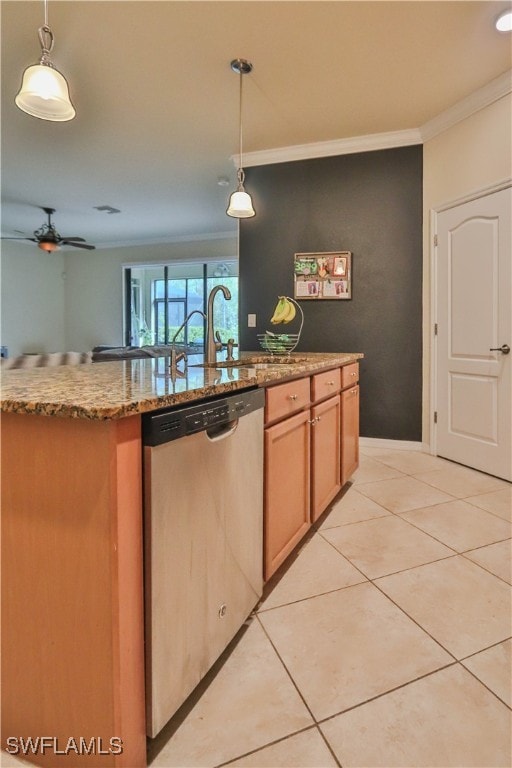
(230, 235)
(348, 146)
(494, 90)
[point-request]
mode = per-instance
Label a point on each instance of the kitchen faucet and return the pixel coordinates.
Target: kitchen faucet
(212, 346)
(177, 356)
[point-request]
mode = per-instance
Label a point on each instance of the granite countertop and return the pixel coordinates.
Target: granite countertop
(111, 390)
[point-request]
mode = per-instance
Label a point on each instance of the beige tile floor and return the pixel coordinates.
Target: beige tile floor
(385, 640)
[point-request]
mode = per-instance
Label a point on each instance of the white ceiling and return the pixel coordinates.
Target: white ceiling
(157, 102)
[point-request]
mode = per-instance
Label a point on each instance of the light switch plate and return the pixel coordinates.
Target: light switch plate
(251, 321)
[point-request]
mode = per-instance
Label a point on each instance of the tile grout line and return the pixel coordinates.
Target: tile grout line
(450, 464)
(485, 684)
(298, 690)
(372, 581)
(454, 553)
(493, 645)
(386, 693)
(405, 520)
(286, 668)
(463, 554)
(311, 597)
(312, 727)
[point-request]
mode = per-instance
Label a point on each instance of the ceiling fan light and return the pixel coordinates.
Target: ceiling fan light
(48, 246)
(240, 205)
(44, 93)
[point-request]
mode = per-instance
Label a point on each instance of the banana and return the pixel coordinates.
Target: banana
(291, 313)
(280, 311)
(284, 312)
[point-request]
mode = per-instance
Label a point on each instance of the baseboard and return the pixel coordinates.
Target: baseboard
(400, 445)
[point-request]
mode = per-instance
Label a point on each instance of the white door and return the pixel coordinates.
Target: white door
(473, 381)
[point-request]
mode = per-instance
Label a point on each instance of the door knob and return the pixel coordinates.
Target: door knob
(504, 349)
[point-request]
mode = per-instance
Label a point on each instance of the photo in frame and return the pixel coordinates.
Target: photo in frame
(322, 275)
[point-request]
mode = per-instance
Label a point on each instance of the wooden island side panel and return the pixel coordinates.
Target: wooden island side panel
(72, 587)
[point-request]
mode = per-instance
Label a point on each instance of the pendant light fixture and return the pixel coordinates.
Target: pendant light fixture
(44, 92)
(504, 22)
(240, 203)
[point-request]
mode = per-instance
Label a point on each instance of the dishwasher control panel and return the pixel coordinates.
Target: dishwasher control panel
(172, 423)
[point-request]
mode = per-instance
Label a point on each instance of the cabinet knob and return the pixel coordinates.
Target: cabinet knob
(311, 421)
(354, 392)
(353, 374)
(292, 397)
(330, 383)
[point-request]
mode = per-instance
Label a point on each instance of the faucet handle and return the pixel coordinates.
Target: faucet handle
(229, 347)
(219, 343)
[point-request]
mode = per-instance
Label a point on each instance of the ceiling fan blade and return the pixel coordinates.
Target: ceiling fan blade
(79, 245)
(32, 239)
(67, 239)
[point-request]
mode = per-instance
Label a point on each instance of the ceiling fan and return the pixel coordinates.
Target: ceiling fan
(48, 239)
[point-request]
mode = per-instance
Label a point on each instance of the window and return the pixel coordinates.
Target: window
(159, 298)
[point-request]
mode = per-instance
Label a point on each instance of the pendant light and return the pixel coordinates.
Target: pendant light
(44, 92)
(240, 203)
(504, 22)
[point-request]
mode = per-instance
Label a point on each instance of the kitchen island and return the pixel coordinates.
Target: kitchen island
(72, 555)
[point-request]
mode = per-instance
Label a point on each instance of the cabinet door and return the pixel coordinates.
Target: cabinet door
(325, 454)
(349, 433)
(287, 488)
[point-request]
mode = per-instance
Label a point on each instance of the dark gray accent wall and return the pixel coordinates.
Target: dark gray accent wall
(368, 203)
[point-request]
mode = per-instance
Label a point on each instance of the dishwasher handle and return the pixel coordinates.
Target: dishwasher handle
(221, 432)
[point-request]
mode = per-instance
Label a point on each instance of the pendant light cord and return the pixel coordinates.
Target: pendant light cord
(46, 39)
(240, 162)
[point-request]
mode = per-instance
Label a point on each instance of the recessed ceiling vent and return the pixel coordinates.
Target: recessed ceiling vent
(107, 209)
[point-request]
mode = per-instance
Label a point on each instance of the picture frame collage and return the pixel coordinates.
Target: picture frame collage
(322, 275)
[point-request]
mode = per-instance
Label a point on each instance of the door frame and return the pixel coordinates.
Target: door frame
(434, 213)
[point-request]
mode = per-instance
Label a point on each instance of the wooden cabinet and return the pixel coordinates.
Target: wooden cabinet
(349, 375)
(349, 421)
(325, 384)
(349, 432)
(284, 399)
(287, 487)
(72, 611)
(311, 450)
(325, 454)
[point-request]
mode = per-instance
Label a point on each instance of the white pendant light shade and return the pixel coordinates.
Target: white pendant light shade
(504, 22)
(240, 205)
(44, 93)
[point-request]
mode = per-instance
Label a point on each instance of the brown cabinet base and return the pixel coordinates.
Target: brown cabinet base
(287, 488)
(72, 601)
(310, 453)
(349, 433)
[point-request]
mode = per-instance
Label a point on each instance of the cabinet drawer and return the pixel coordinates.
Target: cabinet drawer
(349, 375)
(325, 384)
(285, 399)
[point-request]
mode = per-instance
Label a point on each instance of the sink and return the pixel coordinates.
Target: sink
(257, 361)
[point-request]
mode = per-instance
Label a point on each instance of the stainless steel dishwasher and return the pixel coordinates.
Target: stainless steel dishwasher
(203, 521)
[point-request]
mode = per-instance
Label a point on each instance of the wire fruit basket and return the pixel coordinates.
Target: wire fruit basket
(282, 343)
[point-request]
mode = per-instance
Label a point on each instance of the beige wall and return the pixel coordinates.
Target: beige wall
(32, 299)
(471, 155)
